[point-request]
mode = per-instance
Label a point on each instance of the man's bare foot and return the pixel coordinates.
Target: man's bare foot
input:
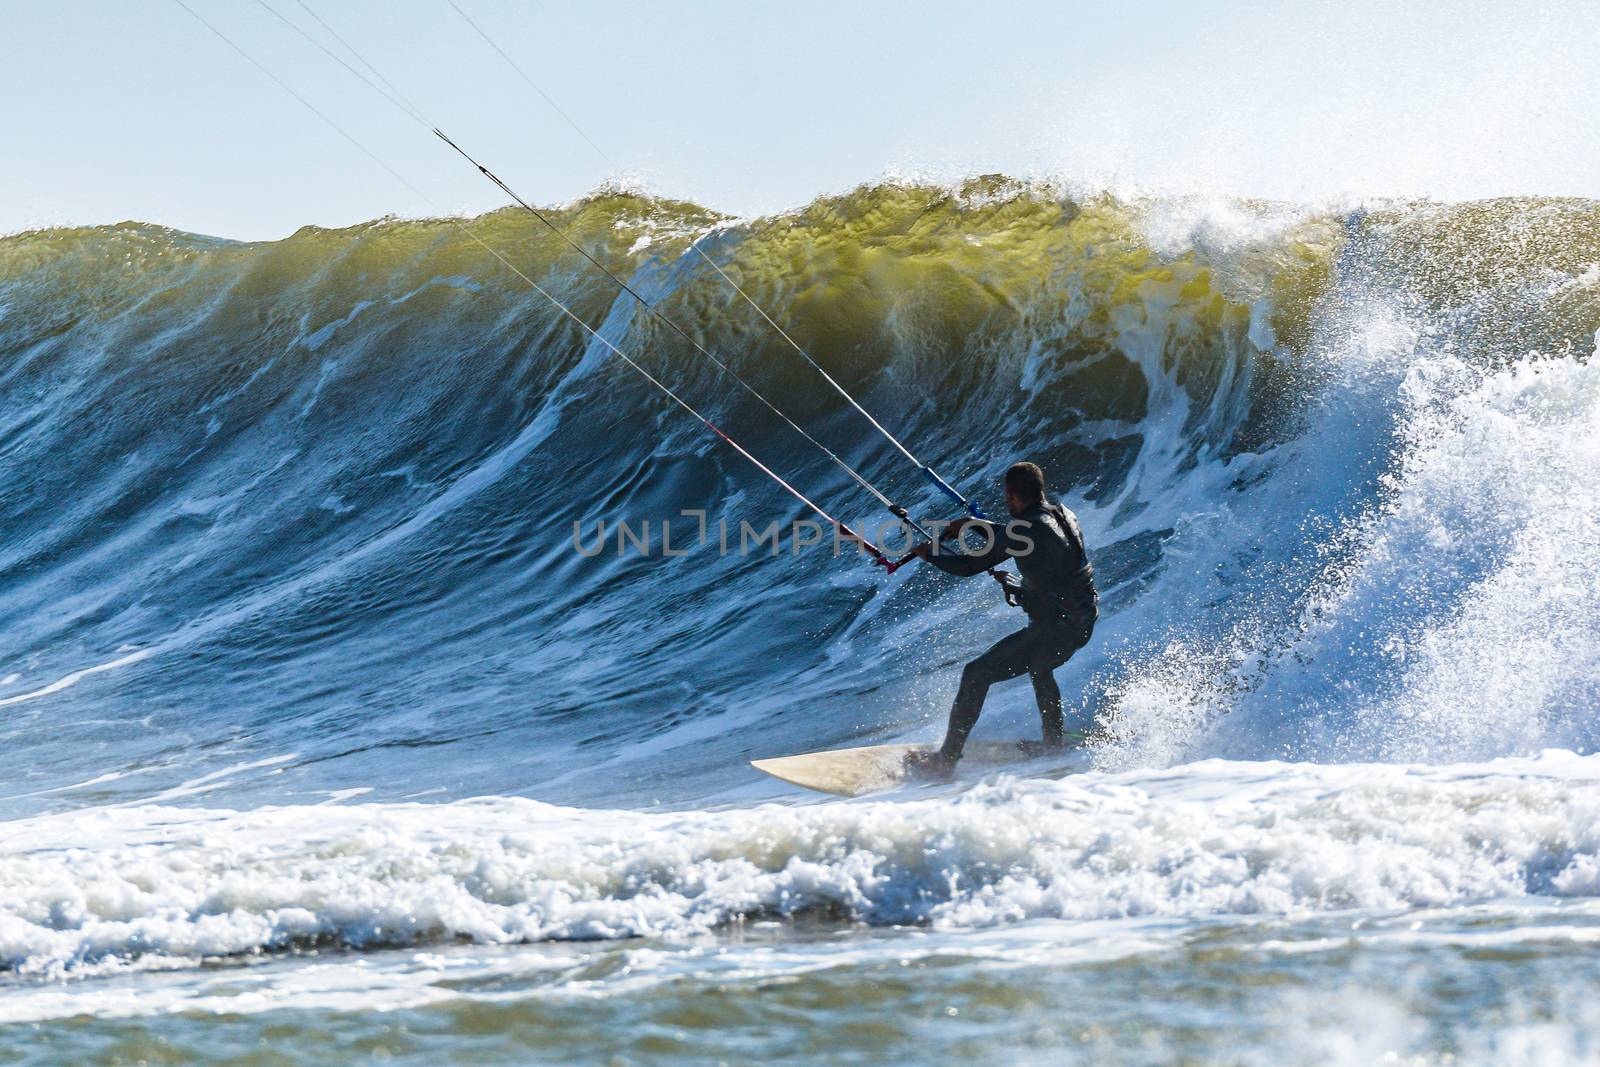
(1034, 749)
(931, 764)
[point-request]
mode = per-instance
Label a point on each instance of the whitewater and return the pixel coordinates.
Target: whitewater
(324, 737)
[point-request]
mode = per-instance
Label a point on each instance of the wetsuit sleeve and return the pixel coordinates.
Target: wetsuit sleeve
(962, 565)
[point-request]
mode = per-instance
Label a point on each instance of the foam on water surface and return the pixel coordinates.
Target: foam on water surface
(142, 887)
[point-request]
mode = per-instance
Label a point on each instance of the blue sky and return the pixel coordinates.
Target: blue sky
(125, 110)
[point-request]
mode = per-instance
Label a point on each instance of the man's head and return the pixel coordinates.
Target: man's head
(1024, 485)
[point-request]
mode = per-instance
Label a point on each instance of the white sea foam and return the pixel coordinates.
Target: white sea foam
(69, 680)
(1455, 615)
(109, 889)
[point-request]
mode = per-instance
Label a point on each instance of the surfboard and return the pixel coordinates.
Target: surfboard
(853, 772)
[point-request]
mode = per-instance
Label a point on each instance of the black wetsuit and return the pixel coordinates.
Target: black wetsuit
(1057, 593)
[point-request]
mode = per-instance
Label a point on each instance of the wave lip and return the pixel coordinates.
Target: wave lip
(158, 887)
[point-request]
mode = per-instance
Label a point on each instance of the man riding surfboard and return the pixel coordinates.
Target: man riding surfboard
(1056, 590)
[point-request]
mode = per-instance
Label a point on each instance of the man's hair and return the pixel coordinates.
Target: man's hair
(1026, 481)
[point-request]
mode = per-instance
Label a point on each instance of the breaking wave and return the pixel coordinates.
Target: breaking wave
(289, 536)
(295, 517)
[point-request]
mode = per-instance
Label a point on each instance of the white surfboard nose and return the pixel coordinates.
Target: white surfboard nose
(854, 772)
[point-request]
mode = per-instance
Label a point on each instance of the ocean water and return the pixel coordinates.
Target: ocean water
(328, 742)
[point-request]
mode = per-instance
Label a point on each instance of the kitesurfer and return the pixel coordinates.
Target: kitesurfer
(1056, 590)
